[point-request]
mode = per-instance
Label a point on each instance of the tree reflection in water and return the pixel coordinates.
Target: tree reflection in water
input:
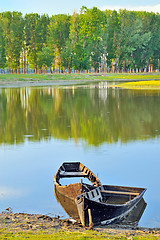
(95, 115)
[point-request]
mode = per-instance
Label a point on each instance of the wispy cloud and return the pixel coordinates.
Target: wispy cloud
(6, 192)
(149, 8)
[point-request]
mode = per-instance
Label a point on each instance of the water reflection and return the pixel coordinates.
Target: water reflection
(118, 130)
(96, 115)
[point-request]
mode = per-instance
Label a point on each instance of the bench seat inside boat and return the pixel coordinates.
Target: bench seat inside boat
(94, 194)
(117, 197)
(72, 174)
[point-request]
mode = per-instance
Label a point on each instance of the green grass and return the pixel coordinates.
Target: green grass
(147, 85)
(85, 235)
(82, 76)
(41, 77)
(130, 76)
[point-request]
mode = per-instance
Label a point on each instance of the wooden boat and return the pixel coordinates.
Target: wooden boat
(95, 204)
(67, 194)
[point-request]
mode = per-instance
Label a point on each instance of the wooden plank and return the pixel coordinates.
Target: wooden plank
(119, 192)
(90, 218)
(73, 174)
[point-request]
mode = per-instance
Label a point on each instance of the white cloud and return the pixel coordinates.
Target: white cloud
(154, 8)
(6, 192)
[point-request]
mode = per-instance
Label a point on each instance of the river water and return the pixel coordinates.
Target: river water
(113, 132)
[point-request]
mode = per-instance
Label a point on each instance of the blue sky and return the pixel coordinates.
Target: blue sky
(52, 7)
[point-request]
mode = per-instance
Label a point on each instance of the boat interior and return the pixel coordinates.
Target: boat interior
(110, 194)
(96, 192)
(76, 169)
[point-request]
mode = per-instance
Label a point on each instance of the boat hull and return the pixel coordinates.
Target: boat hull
(96, 213)
(66, 195)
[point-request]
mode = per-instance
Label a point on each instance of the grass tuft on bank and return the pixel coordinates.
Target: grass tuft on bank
(146, 85)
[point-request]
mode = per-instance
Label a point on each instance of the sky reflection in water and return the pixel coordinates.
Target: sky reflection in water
(115, 134)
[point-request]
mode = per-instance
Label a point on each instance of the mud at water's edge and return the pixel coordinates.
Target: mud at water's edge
(17, 222)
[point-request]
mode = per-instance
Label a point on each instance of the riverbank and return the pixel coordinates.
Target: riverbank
(39, 80)
(36, 226)
(79, 76)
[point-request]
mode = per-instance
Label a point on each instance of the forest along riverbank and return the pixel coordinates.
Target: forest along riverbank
(23, 222)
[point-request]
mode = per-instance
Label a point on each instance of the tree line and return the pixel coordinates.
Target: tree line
(108, 41)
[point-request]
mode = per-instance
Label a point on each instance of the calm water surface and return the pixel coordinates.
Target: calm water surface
(113, 132)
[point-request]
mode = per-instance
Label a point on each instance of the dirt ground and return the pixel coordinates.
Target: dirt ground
(18, 222)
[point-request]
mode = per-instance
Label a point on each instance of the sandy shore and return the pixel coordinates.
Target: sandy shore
(36, 83)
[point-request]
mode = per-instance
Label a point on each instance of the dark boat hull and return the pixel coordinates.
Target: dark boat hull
(95, 213)
(134, 216)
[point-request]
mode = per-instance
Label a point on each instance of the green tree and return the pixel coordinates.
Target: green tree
(151, 23)
(2, 47)
(67, 56)
(12, 23)
(81, 57)
(132, 46)
(110, 36)
(96, 51)
(44, 58)
(80, 53)
(31, 22)
(35, 36)
(17, 27)
(6, 22)
(58, 33)
(155, 39)
(91, 26)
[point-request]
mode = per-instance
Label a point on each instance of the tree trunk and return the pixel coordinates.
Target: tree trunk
(24, 70)
(147, 68)
(125, 67)
(53, 67)
(27, 65)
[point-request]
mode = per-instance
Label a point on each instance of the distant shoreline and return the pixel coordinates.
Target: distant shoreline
(24, 80)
